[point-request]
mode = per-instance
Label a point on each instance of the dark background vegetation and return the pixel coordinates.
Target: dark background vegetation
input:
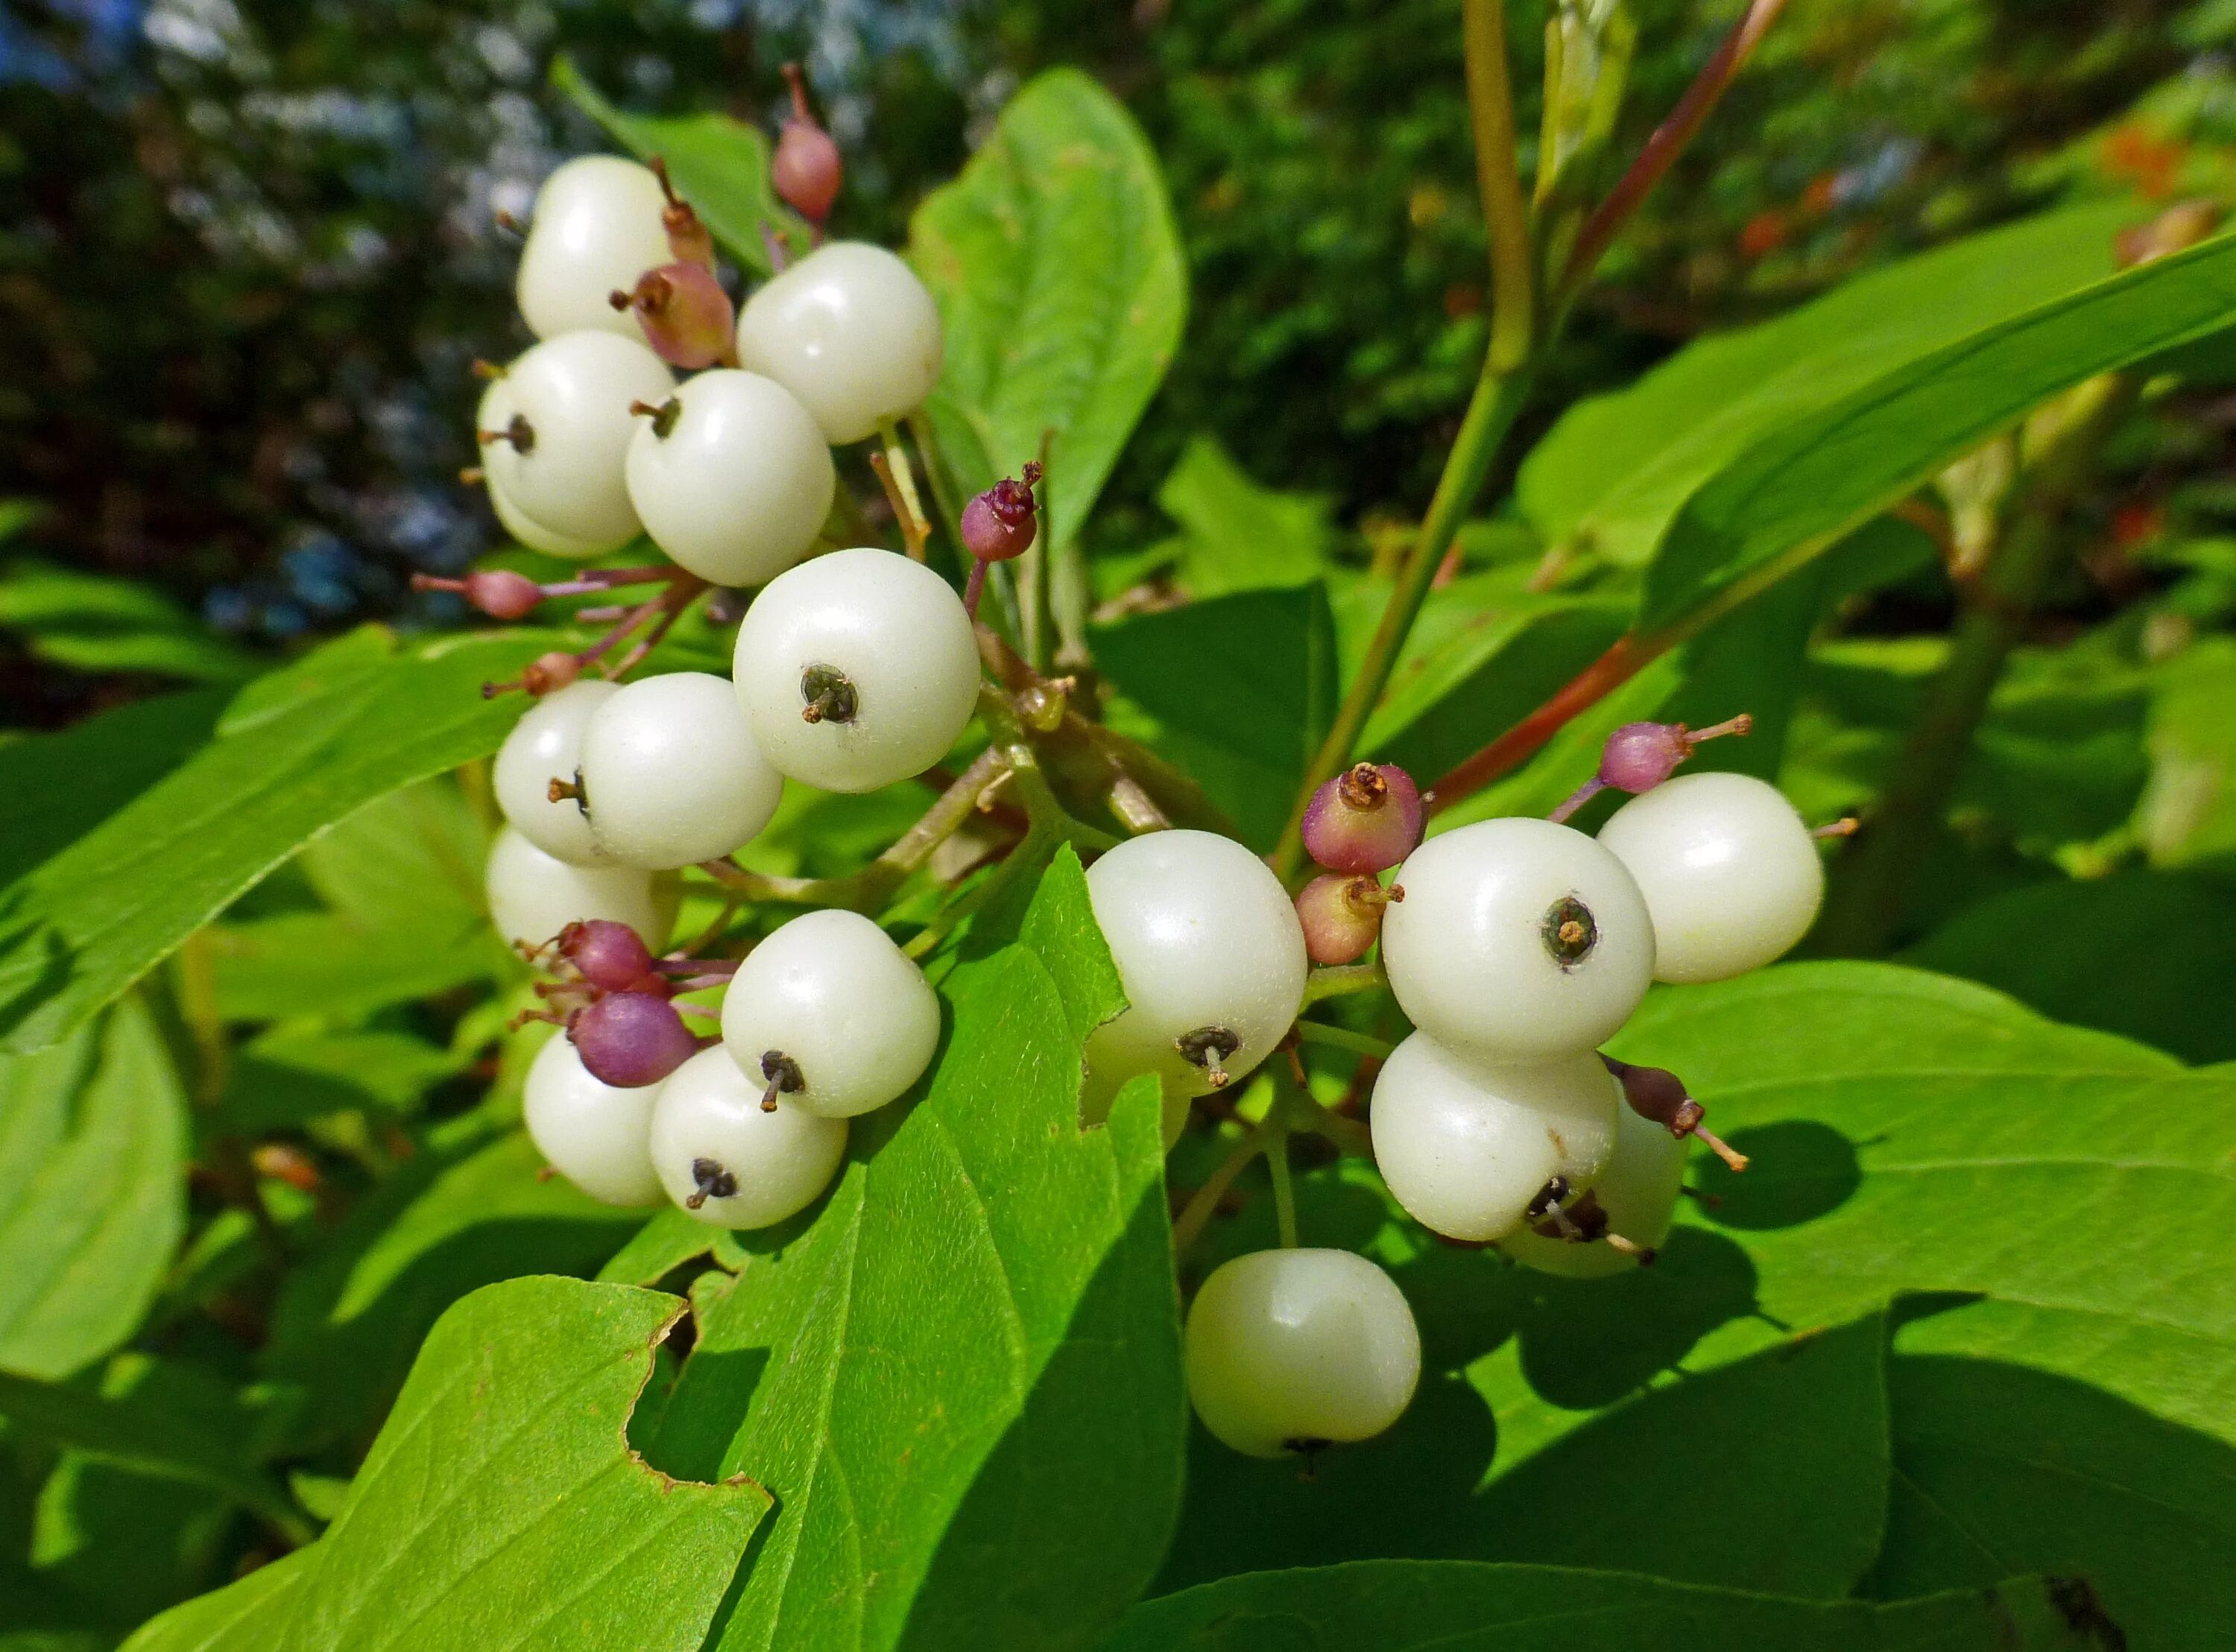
(246, 253)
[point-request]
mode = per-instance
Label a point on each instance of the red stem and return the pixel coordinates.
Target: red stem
(1668, 142)
(1621, 662)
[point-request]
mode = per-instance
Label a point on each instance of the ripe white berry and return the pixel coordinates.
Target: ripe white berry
(533, 897)
(1292, 1350)
(494, 413)
(671, 775)
(1210, 951)
(857, 669)
(1727, 867)
(547, 745)
(1466, 1147)
(560, 457)
(733, 484)
(595, 1135)
(850, 332)
(1637, 1191)
(1517, 940)
(833, 1014)
(711, 1141)
(596, 228)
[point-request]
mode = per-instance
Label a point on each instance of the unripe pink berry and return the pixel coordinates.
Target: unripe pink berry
(609, 954)
(1342, 916)
(806, 170)
(502, 595)
(1365, 820)
(630, 1040)
(687, 319)
(1000, 523)
(548, 673)
(689, 238)
(1638, 757)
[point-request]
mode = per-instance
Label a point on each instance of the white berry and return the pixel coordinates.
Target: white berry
(533, 897)
(850, 332)
(1727, 867)
(494, 413)
(544, 745)
(596, 228)
(735, 484)
(1638, 1192)
(829, 1009)
(671, 775)
(1465, 1148)
(559, 456)
(1292, 1350)
(857, 669)
(1518, 940)
(1211, 954)
(596, 1135)
(746, 1167)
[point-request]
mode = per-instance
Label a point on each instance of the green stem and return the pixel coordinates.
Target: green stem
(1342, 1038)
(1340, 979)
(1285, 1192)
(1505, 213)
(1498, 397)
(1188, 1226)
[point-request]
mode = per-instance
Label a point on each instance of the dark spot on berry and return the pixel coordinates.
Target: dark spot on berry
(829, 695)
(1569, 931)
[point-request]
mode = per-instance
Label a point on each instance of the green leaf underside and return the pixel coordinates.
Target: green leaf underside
(1057, 269)
(82, 925)
(501, 1507)
(960, 1383)
(1811, 480)
(718, 163)
(1614, 473)
(92, 1192)
(1458, 1606)
(91, 622)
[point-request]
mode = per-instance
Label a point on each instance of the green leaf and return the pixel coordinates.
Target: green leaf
(1239, 690)
(961, 1382)
(1811, 480)
(501, 1506)
(333, 968)
(1614, 473)
(466, 1212)
(1236, 535)
(669, 1240)
(286, 1079)
(82, 926)
(2188, 813)
(56, 788)
(92, 1192)
(717, 162)
(89, 622)
(2001, 1459)
(1058, 273)
(2127, 954)
(237, 1618)
(1459, 1606)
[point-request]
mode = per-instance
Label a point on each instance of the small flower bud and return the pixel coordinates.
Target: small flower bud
(609, 954)
(1638, 757)
(1365, 820)
(1657, 1094)
(806, 170)
(1342, 916)
(502, 595)
(688, 237)
(687, 319)
(548, 673)
(1000, 523)
(630, 1040)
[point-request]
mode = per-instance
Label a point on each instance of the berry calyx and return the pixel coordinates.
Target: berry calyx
(1365, 820)
(783, 1075)
(1209, 1048)
(714, 1183)
(805, 170)
(688, 237)
(1342, 916)
(1638, 757)
(608, 955)
(630, 1040)
(687, 319)
(827, 696)
(1657, 1094)
(1000, 524)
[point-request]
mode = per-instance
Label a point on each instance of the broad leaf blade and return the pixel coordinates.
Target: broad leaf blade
(1793, 492)
(501, 1507)
(1058, 274)
(237, 1618)
(1459, 1606)
(970, 1411)
(81, 928)
(92, 1192)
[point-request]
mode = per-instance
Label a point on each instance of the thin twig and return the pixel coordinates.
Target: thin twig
(1505, 213)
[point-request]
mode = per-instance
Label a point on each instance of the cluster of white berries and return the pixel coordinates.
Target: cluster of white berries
(1516, 947)
(854, 670)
